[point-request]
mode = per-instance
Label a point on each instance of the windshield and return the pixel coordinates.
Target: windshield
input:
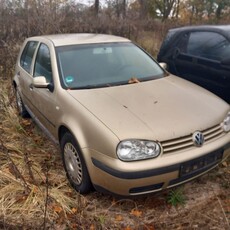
(102, 65)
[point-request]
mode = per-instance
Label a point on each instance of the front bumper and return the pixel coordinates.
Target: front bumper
(135, 178)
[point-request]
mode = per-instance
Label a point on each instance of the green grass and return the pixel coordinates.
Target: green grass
(176, 197)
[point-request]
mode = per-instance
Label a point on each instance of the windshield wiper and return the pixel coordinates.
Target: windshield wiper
(90, 86)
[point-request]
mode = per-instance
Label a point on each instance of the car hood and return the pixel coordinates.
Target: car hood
(160, 109)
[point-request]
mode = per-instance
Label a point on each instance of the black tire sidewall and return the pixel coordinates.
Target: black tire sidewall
(21, 110)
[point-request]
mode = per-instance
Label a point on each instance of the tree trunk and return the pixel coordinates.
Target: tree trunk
(143, 8)
(96, 7)
(124, 9)
(219, 10)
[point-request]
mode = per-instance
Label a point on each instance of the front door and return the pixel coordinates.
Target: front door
(44, 98)
(201, 60)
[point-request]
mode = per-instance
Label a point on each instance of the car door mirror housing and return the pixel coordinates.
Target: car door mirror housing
(40, 82)
(164, 65)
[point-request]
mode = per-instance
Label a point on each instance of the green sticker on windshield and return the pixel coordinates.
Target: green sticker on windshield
(69, 79)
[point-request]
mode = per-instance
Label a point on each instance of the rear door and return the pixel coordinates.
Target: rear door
(25, 73)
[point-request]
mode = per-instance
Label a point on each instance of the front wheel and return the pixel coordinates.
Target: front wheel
(74, 165)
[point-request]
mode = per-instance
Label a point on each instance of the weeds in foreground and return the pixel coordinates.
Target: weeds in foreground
(33, 186)
(176, 197)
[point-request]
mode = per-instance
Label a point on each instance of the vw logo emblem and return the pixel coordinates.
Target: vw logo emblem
(198, 138)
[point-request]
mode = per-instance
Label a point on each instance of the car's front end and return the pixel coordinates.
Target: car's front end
(165, 141)
(176, 164)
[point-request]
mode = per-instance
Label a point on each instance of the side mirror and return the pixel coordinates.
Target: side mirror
(40, 82)
(164, 65)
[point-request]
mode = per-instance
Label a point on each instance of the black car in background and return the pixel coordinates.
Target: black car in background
(200, 54)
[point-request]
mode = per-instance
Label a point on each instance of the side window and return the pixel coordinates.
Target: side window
(27, 55)
(209, 45)
(182, 42)
(42, 65)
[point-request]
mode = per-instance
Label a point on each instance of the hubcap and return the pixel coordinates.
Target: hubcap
(73, 163)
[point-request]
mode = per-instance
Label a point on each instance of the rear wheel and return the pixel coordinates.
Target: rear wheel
(74, 165)
(20, 105)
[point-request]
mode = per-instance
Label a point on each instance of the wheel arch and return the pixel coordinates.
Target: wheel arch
(63, 130)
(14, 84)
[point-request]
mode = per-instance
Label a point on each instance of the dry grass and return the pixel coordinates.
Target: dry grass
(33, 186)
(35, 194)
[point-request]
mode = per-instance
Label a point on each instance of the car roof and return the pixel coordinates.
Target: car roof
(80, 38)
(223, 29)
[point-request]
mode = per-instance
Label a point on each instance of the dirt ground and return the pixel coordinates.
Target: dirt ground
(48, 202)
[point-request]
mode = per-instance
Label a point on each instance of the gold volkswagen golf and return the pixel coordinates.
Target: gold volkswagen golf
(124, 125)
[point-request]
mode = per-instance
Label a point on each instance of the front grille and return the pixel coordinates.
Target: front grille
(183, 143)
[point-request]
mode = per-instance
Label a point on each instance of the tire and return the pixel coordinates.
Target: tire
(74, 165)
(20, 105)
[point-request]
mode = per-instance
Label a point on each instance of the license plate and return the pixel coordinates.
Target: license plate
(201, 164)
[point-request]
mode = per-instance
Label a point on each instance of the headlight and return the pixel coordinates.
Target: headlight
(132, 150)
(226, 123)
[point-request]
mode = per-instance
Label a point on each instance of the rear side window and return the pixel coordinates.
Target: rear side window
(209, 45)
(27, 55)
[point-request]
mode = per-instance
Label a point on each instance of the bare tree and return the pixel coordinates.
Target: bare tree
(143, 8)
(165, 7)
(124, 8)
(223, 4)
(96, 7)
